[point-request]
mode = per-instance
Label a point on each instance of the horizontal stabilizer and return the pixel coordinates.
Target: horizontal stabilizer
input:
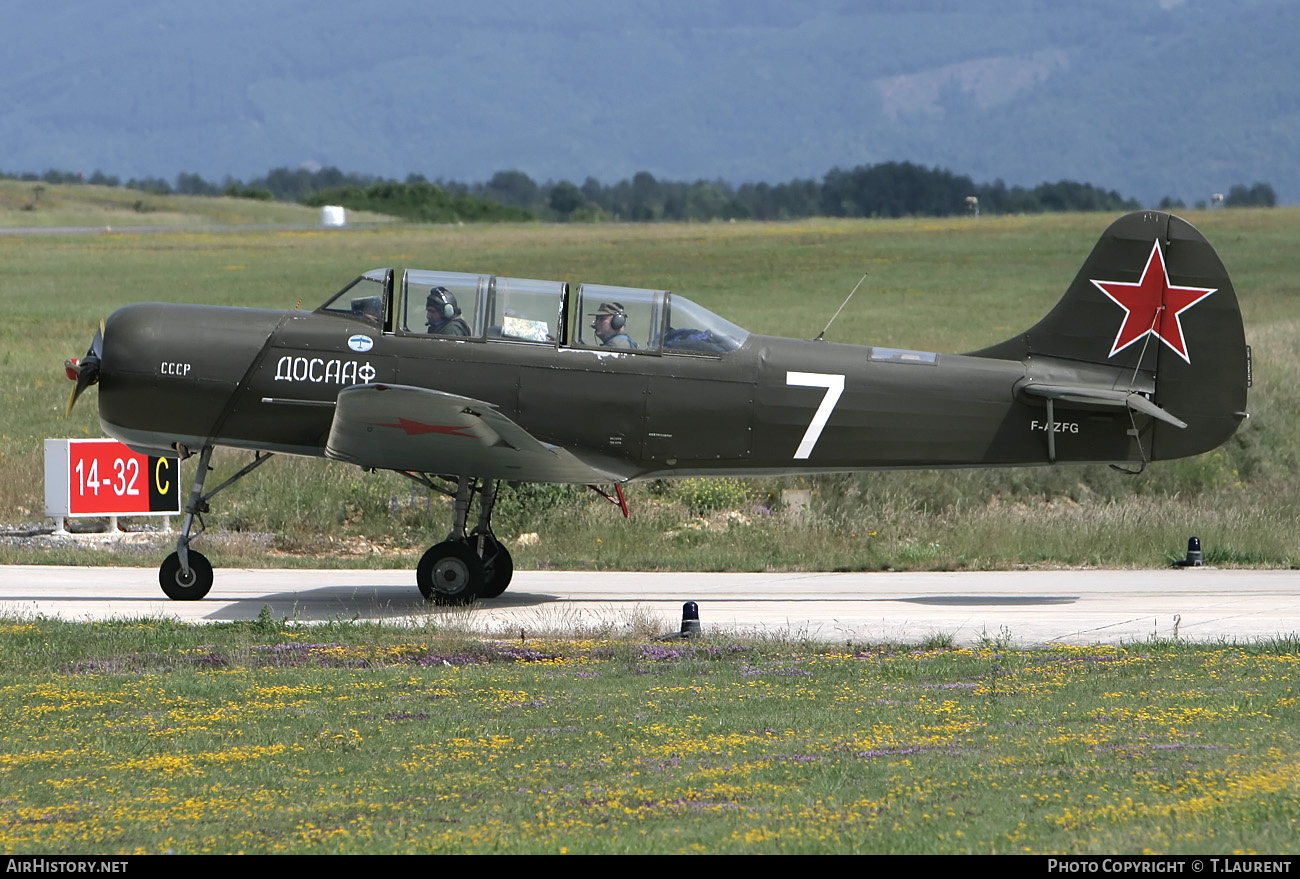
(1102, 397)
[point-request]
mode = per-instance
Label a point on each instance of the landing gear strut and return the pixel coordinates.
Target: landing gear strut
(466, 566)
(186, 575)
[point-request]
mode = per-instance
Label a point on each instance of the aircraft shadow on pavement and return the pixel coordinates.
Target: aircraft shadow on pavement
(985, 600)
(327, 603)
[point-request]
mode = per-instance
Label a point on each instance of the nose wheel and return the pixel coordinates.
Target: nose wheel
(182, 585)
(186, 575)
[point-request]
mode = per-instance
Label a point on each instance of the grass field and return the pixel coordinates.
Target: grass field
(151, 736)
(945, 285)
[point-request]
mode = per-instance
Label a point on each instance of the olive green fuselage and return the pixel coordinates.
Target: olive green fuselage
(268, 380)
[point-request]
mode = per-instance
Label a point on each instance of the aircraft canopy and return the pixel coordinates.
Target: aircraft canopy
(535, 311)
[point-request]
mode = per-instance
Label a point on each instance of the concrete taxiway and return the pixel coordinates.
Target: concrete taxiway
(1021, 608)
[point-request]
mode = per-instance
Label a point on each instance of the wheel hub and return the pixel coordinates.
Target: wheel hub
(451, 575)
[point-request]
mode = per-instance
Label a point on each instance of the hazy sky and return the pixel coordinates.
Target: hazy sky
(1111, 92)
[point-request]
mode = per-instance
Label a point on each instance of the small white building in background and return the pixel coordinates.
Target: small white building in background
(333, 215)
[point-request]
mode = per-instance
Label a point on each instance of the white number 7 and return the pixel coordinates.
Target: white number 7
(834, 385)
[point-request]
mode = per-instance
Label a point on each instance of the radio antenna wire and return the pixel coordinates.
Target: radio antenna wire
(821, 337)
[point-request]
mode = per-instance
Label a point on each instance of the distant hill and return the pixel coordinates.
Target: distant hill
(26, 205)
(1150, 98)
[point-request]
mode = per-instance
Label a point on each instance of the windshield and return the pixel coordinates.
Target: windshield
(364, 298)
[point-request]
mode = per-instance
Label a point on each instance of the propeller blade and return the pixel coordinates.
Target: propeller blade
(86, 371)
(72, 398)
(87, 375)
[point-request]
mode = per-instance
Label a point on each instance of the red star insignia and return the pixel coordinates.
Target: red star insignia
(415, 428)
(1153, 305)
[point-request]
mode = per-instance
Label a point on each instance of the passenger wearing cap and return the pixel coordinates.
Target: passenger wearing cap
(609, 322)
(443, 314)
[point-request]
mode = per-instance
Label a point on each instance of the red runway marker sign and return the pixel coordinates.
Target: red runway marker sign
(102, 477)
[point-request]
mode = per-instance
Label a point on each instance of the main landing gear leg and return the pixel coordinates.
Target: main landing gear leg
(466, 566)
(186, 575)
(450, 573)
(498, 567)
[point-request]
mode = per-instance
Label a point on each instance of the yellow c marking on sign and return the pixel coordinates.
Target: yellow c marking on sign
(163, 487)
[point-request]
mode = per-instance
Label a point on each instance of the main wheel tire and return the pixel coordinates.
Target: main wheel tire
(498, 566)
(180, 587)
(450, 573)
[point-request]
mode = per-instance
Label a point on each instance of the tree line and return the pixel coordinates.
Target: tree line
(888, 189)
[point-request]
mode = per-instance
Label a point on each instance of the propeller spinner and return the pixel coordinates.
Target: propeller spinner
(85, 372)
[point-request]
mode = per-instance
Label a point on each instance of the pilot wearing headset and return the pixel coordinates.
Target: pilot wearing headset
(609, 322)
(443, 314)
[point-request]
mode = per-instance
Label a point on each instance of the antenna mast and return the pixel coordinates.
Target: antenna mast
(821, 337)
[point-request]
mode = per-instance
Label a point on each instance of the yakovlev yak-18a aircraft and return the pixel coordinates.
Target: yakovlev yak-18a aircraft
(460, 381)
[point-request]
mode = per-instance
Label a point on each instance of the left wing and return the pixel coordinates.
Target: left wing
(398, 427)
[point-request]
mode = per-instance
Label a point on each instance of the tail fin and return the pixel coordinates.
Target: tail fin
(1151, 322)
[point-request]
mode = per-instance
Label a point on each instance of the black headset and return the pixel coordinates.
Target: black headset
(441, 299)
(617, 319)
